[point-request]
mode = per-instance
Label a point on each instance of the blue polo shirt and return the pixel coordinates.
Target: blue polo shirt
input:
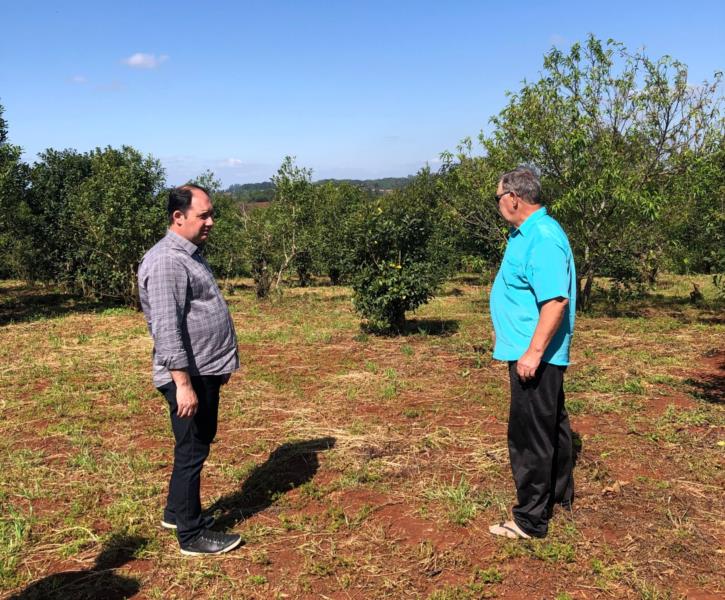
(538, 265)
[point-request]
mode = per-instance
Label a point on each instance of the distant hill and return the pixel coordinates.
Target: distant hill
(264, 192)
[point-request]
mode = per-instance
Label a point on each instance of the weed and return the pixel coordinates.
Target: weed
(488, 576)
(462, 501)
(411, 413)
(14, 530)
(554, 551)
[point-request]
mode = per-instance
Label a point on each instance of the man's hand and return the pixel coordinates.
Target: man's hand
(527, 365)
(550, 316)
(186, 401)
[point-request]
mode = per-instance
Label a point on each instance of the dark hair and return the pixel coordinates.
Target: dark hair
(180, 198)
(524, 183)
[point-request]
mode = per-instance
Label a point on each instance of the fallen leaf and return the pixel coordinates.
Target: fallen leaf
(615, 488)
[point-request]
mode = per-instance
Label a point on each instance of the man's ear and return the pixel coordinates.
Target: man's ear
(177, 214)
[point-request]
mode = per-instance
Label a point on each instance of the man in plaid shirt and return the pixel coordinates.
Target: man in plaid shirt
(195, 353)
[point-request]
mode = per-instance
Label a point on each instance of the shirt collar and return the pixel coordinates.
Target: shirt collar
(526, 226)
(176, 240)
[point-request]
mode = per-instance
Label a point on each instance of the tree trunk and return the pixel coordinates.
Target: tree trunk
(397, 322)
(262, 278)
(334, 275)
(584, 293)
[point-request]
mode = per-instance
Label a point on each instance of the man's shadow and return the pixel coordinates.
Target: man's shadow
(288, 467)
(100, 582)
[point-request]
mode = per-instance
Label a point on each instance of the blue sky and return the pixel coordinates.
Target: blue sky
(352, 89)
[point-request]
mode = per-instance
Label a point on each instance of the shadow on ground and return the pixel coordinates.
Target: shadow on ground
(439, 327)
(710, 387)
(289, 466)
(25, 303)
(100, 582)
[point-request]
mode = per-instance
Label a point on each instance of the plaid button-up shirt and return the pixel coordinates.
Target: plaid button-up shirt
(186, 314)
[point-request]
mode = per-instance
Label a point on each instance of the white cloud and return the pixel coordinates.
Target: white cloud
(79, 79)
(232, 162)
(145, 61)
(557, 40)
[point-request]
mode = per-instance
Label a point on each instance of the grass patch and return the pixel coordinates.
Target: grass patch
(419, 423)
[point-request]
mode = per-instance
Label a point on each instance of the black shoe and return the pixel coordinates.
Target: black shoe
(206, 522)
(211, 542)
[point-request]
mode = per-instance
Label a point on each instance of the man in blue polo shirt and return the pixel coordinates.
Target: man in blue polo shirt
(533, 300)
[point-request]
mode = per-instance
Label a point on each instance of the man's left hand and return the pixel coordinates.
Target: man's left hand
(527, 365)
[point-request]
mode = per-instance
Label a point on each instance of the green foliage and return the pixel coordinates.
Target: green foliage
(695, 218)
(13, 208)
(116, 216)
(614, 134)
(401, 253)
(87, 220)
(261, 250)
(467, 185)
(294, 210)
(333, 245)
(225, 249)
(54, 179)
(252, 192)
(282, 236)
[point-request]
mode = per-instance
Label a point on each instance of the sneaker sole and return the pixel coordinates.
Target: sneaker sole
(222, 551)
(208, 524)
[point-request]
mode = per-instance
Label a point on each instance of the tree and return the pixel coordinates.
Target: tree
(262, 250)
(54, 179)
(402, 253)
(695, 219)
(282, 236)
(333, 247)
(13, 209)
(117, 214)
(293, 210)
(225, 249)
(609, 131)
(467, 184)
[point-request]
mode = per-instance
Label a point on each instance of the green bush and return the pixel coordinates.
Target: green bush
(333, 246)
(13, 208)
(116, 215)
(402, 253)
(86, 220)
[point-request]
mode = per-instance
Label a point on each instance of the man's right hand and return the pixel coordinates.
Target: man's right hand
(186, 401)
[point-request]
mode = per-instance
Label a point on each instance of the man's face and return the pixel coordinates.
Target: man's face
(196, 224)
(505, 204)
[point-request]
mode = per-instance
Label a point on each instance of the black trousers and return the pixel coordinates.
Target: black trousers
(193, 437)
(540, 447)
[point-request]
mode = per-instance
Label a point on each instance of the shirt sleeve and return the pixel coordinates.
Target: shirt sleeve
(547, 271)
(166, 285)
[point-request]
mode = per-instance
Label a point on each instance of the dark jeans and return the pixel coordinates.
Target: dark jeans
(540, 447)
(193, 437)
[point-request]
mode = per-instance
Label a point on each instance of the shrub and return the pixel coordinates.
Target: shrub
(402, 254)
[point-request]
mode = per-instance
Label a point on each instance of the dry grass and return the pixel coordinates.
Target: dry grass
(357, 466)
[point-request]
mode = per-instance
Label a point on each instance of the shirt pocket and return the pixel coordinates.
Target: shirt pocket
(514, 275)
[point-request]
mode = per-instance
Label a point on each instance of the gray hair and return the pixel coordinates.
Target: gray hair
(524, 182)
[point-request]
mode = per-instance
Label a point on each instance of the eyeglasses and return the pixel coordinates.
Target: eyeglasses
(499, 196)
